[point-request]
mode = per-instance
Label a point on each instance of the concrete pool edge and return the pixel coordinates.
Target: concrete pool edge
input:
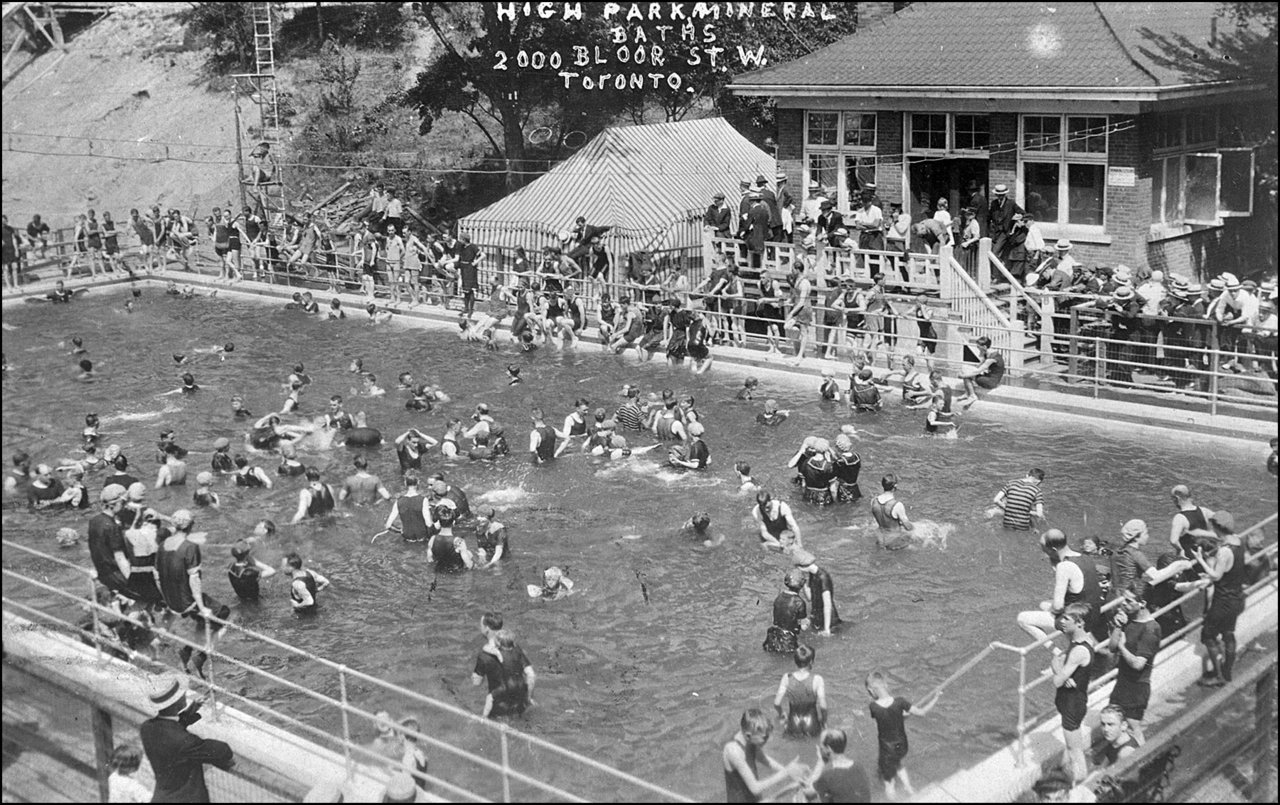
(1008, 400)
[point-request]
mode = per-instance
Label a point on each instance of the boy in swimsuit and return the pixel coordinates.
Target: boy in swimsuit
(889, 713)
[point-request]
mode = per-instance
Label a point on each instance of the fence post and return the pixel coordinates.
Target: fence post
(1073, 346)
(1264, 768)
(506, 767)
(984, 264)
(1214, 357)
(208, 658)
(346, 719)
(1022, 708)
(103, 746)
(93, 607)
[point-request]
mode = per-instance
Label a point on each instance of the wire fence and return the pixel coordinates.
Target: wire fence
(472, 757)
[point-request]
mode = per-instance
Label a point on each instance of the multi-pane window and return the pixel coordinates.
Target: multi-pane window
(840, 153)
(822, 128)
(1064, 178)
(973, 132)
(860, 129)
(1041, 133)
(928, 132)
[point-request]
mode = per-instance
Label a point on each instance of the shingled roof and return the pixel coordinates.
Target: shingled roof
(988, 44)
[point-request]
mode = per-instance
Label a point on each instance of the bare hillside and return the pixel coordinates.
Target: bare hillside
(108, 109)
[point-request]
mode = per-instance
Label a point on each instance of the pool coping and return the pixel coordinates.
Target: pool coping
(1007, 401)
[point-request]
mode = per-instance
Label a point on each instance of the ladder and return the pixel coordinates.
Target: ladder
(272, 194)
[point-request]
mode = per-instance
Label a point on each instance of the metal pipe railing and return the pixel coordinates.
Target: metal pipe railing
(343, 672)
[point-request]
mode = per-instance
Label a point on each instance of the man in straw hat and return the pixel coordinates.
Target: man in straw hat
(1000, 221)
(1182, 332)
(176, 756)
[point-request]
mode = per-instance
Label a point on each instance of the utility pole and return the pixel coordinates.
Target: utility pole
(235, 96)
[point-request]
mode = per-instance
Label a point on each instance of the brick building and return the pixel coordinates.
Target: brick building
(1070, 105)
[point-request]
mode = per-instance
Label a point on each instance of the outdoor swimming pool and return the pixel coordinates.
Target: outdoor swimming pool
(651, 684)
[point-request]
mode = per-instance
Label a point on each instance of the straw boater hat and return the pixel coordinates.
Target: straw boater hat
(1063, 245)
(1001, 190)
(166, 691)
(813, 184)
(780, 176)
(1123, 292)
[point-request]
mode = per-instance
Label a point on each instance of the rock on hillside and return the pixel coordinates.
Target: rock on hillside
(128, 78)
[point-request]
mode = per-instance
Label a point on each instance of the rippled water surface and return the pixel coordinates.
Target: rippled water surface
(652, 686)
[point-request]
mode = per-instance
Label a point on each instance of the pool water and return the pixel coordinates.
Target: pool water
(649, 664)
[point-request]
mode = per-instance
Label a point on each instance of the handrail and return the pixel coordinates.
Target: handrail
(1211, 704)
(388, 686)
(971, 285)
(73, 628)
(1014, 284)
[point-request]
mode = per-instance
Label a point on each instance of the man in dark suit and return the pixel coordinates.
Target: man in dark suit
(1000, 222)
(176, 756)
(744, 208)
(718, 217)
(771, 203)
(757, 228)
(786, 205)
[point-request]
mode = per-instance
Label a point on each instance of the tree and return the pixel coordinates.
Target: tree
(469, 76)
(229, 27)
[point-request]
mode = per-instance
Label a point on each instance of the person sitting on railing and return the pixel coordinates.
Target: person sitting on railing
(986, 375)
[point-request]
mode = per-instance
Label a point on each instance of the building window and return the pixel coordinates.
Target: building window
(825, 170)
(858, 172)
(860, 129)
(1064, 178)
(840, 153)
(1087, 135)
(1041, 133)
(823, 128)
(928, 132)
(973, 132)
(1200, 190)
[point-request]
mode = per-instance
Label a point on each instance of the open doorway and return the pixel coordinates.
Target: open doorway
(932, 179)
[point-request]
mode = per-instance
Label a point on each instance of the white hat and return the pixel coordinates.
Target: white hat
(1062, 245)
(166, 691)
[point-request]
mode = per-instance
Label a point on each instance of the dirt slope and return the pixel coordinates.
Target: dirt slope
(127, 78)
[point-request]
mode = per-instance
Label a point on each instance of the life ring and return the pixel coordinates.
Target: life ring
(363, 437)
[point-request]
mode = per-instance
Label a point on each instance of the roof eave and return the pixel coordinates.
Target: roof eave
(1141, 94)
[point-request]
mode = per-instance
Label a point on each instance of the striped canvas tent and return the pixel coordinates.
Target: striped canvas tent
(651, 184)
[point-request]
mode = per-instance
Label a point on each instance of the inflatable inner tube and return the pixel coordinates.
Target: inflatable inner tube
(363, 437)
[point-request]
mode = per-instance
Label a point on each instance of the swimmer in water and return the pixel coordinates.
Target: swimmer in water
(89, 436)
(189, 384)
(746, 483)
(309, 304)
(291, 402)
(174, 471)
(513, 374)
(221, 350)
(405, 382)
(290, 467)
(335, 309)
(491, 539)
(698, 526)
(204, 496)
(771, 415)
(829, 390)
(891, 516)
(237, 408)
(86, 370)
(249, 476)
(292, 305)
(940, 421)
(369, 386)
(77, 346)
(376, 316)
(410, 446)
(775, 521)
(555, 584)
(748, 389)
(316, 499)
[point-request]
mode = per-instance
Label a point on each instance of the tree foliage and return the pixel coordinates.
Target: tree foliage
(229, 29)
